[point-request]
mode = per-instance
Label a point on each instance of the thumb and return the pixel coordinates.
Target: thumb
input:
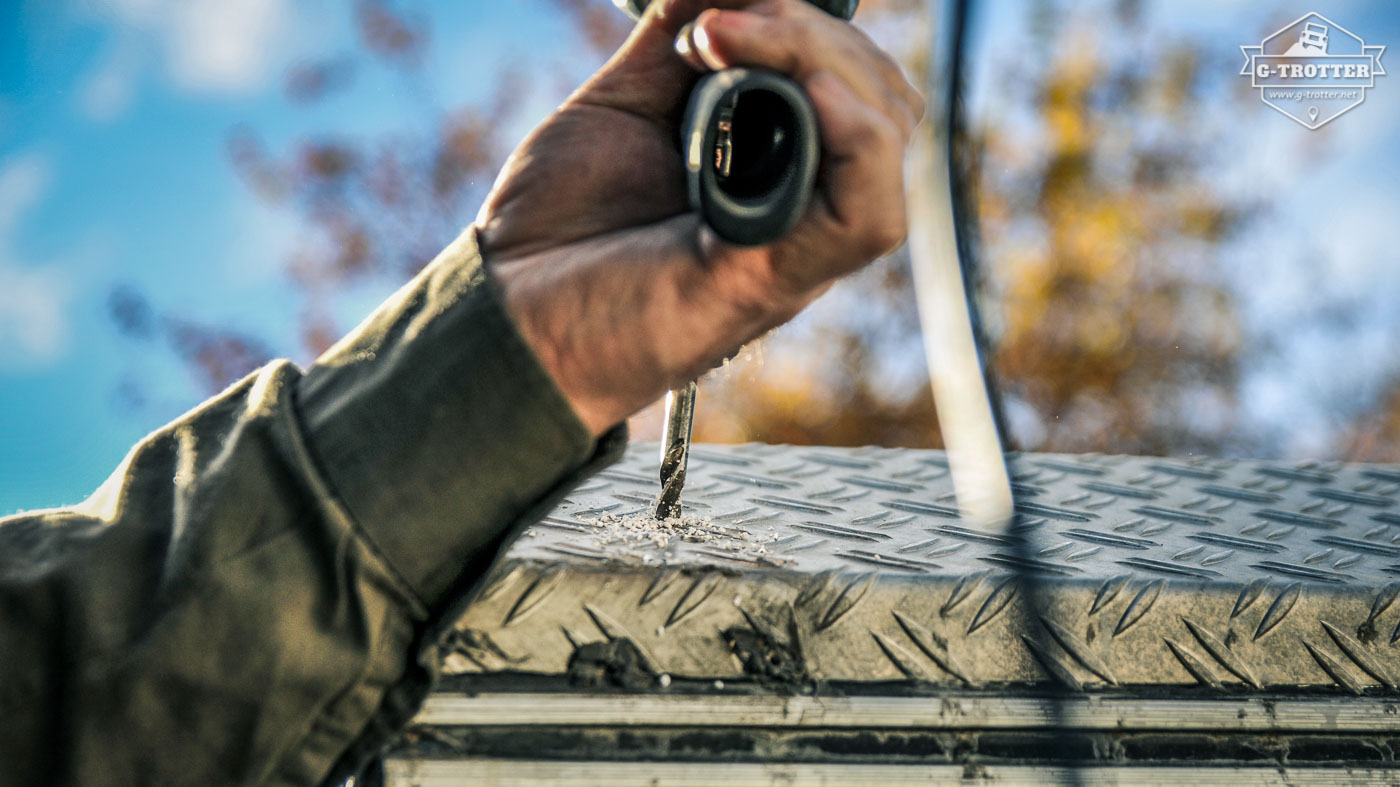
(646, 76)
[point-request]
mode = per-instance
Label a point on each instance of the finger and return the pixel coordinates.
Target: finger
(649, 75)
(687, 49)
(895, 77)
(863, 176)
(797, 39)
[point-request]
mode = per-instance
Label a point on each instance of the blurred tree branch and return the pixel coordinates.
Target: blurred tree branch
(1102, 229)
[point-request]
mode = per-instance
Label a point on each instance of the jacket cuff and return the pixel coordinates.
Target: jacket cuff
(438, 428)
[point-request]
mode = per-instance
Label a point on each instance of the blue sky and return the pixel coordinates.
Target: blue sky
(114, 116)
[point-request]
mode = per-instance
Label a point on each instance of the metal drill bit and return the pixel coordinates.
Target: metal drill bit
(675, 448)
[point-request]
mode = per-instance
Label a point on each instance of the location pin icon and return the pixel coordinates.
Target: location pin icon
(1312, 114)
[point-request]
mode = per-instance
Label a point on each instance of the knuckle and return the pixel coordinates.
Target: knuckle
(781, 9)
(887, 231)
(890, 67)
(885, 135)
(869, 133)
(864, 39)
(894, 107)
(917, 103)
(883, 62)
(806, 38)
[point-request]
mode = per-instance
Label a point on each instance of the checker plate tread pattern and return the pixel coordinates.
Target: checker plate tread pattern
(1229, 574)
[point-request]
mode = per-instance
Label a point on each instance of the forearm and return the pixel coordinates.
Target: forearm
(253, 596)
(435, 413)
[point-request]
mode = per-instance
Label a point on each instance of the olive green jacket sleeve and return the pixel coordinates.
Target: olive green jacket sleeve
(256, 595)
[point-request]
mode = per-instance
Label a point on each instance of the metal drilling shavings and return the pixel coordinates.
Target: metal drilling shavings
(1207, 632)
(857, 560)
(651, 537)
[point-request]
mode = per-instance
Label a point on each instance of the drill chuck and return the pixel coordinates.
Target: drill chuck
(751, 154)
(751, 146)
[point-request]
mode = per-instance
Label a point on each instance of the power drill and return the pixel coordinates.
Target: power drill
(751, 149)
(751, 146)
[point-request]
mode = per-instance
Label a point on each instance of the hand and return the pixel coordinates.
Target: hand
(614, 282)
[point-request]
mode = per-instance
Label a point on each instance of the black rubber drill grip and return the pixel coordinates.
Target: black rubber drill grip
(751, 149)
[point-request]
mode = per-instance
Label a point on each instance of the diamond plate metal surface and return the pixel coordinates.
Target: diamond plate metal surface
(824, 564)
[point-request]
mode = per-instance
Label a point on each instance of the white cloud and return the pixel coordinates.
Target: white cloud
(23, 180)
(34, 328)
(107, 91)
(221, 45)
(205, 46)
(33, 316)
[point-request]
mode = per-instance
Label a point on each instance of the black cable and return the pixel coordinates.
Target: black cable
(1028, 583)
